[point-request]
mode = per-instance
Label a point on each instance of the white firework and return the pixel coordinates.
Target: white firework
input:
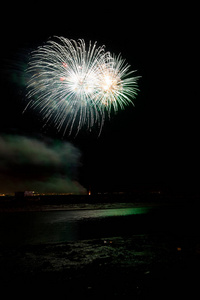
(73, 86)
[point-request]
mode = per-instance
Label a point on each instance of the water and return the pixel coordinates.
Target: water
(26, 228)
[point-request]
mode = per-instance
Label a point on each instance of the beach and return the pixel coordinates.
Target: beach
(139, 256)
(139, 266)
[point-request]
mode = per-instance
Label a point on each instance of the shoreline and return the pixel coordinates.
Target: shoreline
(162, 256)
(72, 207)
(79, 202)
(83, 206)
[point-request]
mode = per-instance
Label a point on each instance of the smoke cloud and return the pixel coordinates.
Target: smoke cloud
(44, 166)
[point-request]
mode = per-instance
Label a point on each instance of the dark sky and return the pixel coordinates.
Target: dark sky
(154, 142)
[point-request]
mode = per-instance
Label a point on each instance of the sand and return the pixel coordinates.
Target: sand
(139, 266)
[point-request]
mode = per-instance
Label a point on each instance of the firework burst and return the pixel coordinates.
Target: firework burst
(73, 85)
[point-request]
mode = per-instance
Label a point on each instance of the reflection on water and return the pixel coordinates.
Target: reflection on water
(63, 216)
(61, 226)
(119, 212)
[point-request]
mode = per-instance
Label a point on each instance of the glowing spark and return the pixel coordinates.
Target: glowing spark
(73, 86)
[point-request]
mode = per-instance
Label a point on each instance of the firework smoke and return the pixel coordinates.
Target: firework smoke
(44, 166)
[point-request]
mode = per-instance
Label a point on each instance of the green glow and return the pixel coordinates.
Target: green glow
(120, 212)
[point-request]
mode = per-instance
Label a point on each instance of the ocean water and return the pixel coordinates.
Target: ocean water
(29, 228)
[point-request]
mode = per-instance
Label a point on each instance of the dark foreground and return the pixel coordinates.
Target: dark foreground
(162, 261)
(138, 266)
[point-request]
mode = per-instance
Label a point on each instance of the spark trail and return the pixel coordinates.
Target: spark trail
(72, 85)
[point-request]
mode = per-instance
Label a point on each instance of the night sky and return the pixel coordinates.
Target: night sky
(154, 142)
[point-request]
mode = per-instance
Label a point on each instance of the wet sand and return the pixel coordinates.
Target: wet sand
(162, 265)
(140, 266)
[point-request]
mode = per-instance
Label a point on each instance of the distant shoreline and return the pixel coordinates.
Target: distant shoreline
(75, 202)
